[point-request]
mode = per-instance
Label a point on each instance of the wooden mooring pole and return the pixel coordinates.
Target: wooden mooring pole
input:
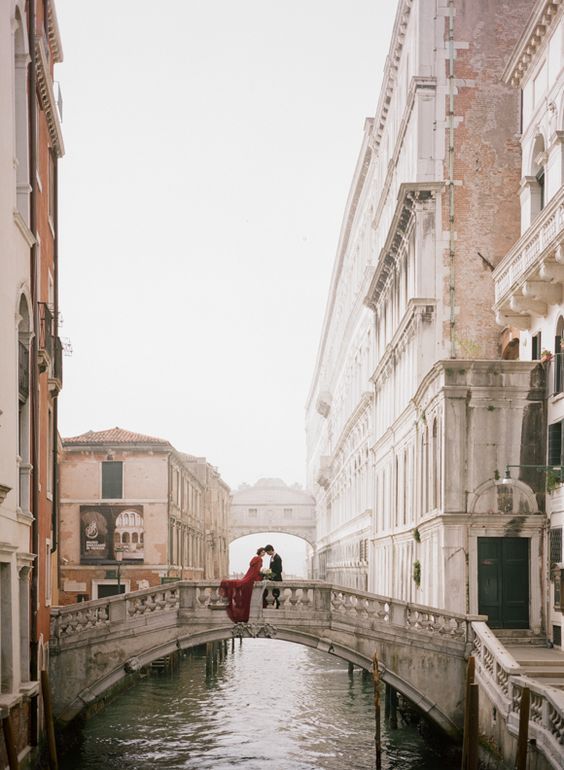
(470, 671)
(377, 733)
(49, 722)
(523, 738)
(10, 741)
(473, 722)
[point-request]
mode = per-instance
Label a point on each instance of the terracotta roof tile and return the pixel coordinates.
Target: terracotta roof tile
(114, 436)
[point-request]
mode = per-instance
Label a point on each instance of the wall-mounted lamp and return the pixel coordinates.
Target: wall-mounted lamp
(546, 468)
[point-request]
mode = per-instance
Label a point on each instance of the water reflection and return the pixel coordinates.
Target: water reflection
(269, 703)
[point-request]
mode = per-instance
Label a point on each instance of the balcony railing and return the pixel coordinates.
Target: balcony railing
(23, 371)
(533, 245)
(46, 337)
(56, 372)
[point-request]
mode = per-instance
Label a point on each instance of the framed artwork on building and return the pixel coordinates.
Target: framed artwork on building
(107, 529)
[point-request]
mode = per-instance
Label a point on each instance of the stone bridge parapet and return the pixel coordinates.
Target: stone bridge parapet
(421, 650)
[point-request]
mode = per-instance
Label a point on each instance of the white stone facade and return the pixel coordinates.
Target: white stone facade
(16, 328)
(529, 280)
(395, 432)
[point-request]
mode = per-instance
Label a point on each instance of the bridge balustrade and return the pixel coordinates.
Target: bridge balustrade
(501, 676)
(422, 651)
(329, 604)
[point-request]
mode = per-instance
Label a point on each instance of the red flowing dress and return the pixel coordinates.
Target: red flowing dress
(238, 592)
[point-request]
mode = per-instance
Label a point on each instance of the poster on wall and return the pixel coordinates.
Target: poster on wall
(105, 529)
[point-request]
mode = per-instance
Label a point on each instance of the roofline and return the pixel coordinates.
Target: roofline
(540, 20)
(355, 192)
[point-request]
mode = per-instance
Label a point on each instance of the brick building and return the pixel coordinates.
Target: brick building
(135, 512)
(412, 414)
(529, 279)
(31, 377)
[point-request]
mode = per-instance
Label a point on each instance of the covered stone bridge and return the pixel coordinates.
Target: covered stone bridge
(421, 651)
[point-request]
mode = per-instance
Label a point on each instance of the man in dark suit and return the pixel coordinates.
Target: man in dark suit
(276, 567)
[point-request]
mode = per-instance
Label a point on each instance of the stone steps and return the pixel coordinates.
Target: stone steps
(513, 637)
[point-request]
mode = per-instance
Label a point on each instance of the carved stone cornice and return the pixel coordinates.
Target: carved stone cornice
(23, 228)
(53, 33)
(418, 309)
(47, 98)
(390, 72)
(540, 22)
(3, 492)
(409, 194)
(365, 400)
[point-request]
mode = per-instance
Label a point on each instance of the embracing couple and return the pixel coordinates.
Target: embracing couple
(238, 592)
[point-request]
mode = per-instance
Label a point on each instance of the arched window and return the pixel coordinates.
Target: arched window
(510, 351)
(134, 537)
(125, 537)
(21, 148)
(24, 419)
(426, 471)
(436, 464)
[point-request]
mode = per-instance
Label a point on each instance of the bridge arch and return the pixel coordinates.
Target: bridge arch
(96, 644)
(98, 689)
(271, 505)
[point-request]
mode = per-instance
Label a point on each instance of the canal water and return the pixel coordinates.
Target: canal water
(269, 704)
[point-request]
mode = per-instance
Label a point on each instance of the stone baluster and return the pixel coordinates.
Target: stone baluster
(322, 598)
(399, 611)
(117, 609)
(187, 596)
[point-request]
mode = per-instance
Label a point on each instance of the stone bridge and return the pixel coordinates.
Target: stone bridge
(421, 651)
(272, 506)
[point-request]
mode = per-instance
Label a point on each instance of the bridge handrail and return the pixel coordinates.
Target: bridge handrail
(503, 679)
(342, 604)
(546, 716)
(494, 665)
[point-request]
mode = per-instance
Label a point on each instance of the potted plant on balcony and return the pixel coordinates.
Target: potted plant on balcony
(546, 357)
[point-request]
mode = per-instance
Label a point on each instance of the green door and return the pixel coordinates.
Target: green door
(503, 581)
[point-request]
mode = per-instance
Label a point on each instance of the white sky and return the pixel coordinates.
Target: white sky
(210, 146)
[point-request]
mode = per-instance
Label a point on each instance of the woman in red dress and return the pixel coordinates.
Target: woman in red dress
(238, 592)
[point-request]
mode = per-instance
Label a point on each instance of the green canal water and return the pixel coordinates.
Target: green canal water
(269, 704)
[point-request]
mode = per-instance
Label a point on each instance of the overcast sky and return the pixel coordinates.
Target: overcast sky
(210, 146)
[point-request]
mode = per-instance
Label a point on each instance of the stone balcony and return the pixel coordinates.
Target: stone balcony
(529, 278)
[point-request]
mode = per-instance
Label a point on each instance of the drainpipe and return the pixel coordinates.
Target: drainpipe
(34, 373)
(54, 448)
(451, 240)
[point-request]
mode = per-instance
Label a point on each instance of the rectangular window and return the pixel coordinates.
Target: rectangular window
(49, 463)
(52, 186)
(555, 548)
(112, 480)
(6, 657)
(555, 443)
(252, 513)
(536, 346)
(287, 513)
(47, 573)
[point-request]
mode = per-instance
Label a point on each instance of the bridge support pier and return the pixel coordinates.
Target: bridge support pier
(393, 708)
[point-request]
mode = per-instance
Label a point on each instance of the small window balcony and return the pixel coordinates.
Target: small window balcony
(56, 376)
